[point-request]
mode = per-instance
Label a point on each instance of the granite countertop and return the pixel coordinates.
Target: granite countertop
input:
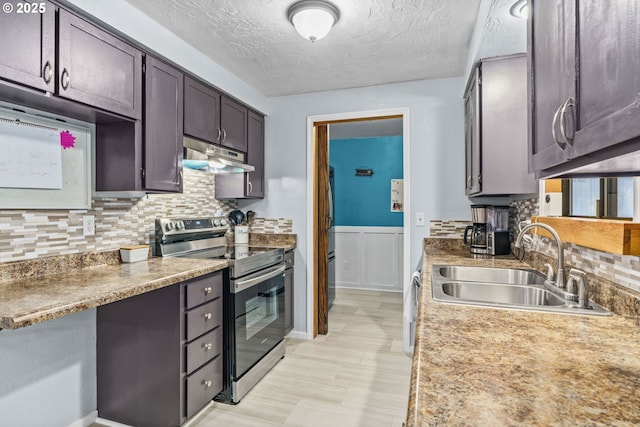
(487, 366)
(283, 240)
(30, 300)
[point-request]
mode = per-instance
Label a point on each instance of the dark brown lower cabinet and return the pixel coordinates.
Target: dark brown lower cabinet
(159, 354)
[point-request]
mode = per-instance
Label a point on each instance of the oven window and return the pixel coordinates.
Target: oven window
(262, 310)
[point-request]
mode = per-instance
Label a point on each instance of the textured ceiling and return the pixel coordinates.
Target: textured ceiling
(374, 42)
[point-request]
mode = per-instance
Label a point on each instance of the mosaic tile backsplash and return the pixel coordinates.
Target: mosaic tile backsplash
(27, 234)
(271, 226)
(447, 229)
(621, 269)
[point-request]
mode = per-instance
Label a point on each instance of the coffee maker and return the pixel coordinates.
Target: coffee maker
(489, 233)
(478, 239)
(497, 228)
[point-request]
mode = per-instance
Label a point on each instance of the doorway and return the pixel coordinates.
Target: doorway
(317, 182)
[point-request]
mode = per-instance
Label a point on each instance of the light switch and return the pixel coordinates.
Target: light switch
(420, 219)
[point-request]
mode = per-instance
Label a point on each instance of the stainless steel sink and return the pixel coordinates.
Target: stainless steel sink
(500, 294)
(501, 287)
(492, 275)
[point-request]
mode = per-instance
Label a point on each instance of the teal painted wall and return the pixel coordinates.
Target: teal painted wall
(361, 200)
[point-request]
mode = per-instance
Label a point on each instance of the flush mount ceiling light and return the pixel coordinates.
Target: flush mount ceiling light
(313, 18)
(520, 9)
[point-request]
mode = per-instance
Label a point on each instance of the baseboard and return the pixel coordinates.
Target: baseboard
(353, 286)
(110, 423)
(298, 335)
(85, 421)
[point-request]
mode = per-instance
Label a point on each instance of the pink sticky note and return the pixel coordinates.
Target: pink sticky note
(67, 140)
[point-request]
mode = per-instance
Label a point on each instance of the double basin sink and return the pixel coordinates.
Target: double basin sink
(501, 287)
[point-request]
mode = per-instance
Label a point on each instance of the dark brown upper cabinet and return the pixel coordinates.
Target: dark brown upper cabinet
(27, 46)
(97, 68)
(214, 118)
(145, 155)
(255, 155)
(496, 128)
(163, 126)
(585, 81)
(248, 185)
(233, 122)
(201, 111)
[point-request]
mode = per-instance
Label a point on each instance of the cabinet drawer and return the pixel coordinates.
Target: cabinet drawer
(204, 289)
(203, 386)
(204, 349)
(204, 318)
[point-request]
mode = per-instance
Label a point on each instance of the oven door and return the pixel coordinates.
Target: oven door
(258, 304)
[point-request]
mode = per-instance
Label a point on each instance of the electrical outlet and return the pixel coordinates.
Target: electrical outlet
(420, 219)
(88, 225)
(346, 265)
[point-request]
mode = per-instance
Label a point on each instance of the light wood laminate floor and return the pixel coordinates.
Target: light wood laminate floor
(356, 375)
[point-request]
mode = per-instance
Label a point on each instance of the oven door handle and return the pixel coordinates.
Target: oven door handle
(241, 285)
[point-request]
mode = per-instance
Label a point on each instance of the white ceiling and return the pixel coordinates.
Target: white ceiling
(374, 42)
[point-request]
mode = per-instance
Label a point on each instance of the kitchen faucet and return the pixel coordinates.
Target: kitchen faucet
(557, 287)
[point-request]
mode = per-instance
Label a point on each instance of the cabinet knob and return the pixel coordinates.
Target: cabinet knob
(207, 383)
(224, 135)
(208, 290)
(207, 316)
(47, 72)
(469, 178)
(65, 79)
(219, 137)
(208, 346)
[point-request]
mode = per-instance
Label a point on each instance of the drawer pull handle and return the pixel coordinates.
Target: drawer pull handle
(208, 290)
(47, 72)
(208, 346)
(65, 79)
(207, 383)
(207, 316)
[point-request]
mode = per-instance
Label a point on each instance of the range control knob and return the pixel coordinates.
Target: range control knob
(216, 223)
(170, 226)
(179, 225)
(223, 222)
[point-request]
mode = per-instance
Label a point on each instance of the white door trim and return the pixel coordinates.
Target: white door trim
(404, 111)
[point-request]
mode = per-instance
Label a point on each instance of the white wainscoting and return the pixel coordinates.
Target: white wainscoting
(369, 258)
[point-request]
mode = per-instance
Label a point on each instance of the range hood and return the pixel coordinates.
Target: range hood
(221, 160)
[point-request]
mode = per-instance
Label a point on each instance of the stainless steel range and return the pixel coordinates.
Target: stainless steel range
(254, 326)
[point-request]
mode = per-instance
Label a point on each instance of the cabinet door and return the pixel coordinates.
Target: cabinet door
(98, 69)
(255, 155)
(27, 45)
(201, 111)
(609, 43)
(162, 127)
(552, 75)
(233, 120)
(472, 136)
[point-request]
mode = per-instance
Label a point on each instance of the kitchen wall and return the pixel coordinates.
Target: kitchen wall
(48, 372)
(436, 173)
(366, 200)
(28, 234)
